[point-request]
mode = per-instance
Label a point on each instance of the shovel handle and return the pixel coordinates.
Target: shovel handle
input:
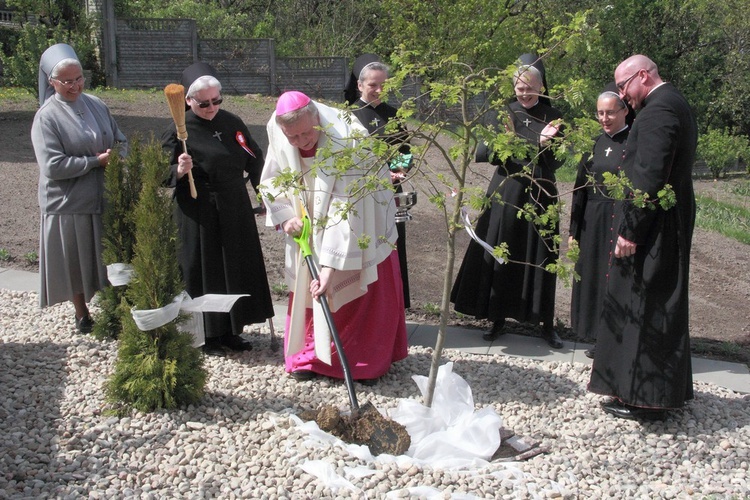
(303, 240)
(336, 339)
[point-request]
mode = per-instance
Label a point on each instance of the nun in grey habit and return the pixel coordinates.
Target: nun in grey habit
(73, 134)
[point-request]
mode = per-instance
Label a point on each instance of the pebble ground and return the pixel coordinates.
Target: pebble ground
(57, 440)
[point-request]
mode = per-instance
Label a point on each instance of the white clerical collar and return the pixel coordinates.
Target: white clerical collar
(649, 92)
(623, 128)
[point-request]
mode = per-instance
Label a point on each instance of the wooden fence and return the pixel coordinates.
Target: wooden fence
(153, 52)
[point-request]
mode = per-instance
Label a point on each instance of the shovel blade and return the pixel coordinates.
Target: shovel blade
(380, 434)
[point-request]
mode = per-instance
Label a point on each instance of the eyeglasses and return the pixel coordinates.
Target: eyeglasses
(71, 83)
(621, 86)
(205, 104)
(608, 113)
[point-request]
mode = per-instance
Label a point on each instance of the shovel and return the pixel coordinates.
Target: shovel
(303, 240)
(366, 425)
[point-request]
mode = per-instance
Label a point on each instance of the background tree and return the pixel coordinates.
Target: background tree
(51, 13)
(722, 150)
(222, 19)
(299, 27)
(727, 95)
(484, 32)
(321, 27)
(700, 45)
(59, 22)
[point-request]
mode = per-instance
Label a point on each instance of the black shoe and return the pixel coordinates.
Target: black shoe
(214, 349)
(303, 375)
(589, 353)
(235, 343)
(369, 382)
(552, 339)
(622, 410)
(496, 331)
(85, 324)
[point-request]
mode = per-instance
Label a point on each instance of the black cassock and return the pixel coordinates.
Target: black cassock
(219, 247)
(483, 287)
(374, 118)
(594, 222)
(643, 344)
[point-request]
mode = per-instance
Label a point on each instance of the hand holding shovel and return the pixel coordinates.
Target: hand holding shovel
(366, 425)
(303, 240)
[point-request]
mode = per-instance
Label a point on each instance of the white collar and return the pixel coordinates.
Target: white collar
(649, 92)
(623, 128)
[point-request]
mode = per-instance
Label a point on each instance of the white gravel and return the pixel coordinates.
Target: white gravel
(56, 441)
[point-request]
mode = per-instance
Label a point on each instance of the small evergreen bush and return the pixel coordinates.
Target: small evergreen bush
(122, 183)
(157, 369)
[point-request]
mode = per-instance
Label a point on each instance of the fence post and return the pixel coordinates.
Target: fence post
(344, 81)
(271, 66)
(109, 49)
(194, 42)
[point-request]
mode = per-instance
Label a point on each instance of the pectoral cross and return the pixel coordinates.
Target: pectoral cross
(376, 121)
(608, 150)
(217, 134)
(80, 113)
(527, 122)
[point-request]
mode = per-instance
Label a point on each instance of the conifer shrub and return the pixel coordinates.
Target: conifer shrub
(156, 369)
(122, 185)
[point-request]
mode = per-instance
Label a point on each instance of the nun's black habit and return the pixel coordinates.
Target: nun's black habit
(594, 222)
(525, 292)
(219, 247)
(375, 118)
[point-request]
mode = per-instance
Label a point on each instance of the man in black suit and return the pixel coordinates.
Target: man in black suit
(643, 349)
